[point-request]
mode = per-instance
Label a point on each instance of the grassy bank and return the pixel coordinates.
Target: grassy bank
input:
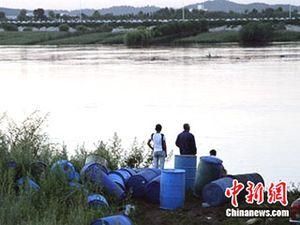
(59, 38)
(58, 203)
(233, 36)
(64, 38)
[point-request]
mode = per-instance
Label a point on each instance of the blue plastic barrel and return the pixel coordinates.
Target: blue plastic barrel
(244, 178)
(209, 169)
(153, 190)
(113, 220)
(27, 184)
(97, 200)
(189, 164)
(93, 173)
(64, 167)
(90, 172)
(172, 189)
(75, 185)
(137, 183)
(121, 176)
(214, 192)
(117, 177)
(126, 173)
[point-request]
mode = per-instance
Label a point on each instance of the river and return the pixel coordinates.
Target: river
(244, 102)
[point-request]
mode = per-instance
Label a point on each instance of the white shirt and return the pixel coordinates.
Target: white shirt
(157, 141)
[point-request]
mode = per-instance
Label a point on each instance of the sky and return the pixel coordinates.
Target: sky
(75, 4)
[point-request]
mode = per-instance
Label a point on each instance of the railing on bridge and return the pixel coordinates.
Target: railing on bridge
(139, 21)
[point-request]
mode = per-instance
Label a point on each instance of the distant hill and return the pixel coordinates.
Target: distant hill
(226, 6)
(115, 10)
(10, 12)
(213, 5)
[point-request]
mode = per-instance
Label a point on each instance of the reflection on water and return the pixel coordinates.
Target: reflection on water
(245, 102)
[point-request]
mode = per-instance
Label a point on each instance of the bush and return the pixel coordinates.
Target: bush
(82, 28)
(9, 27)
(256, 33)
(64, 27)
(141, 37)
(56, 202)
(181, 29)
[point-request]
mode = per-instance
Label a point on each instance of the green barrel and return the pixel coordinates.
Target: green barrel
(209, 169)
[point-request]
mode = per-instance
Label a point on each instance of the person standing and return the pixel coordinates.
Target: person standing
(159, 147)
(186, 142)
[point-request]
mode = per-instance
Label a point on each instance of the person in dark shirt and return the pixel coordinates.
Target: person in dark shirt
(186, 142)
(213, 153)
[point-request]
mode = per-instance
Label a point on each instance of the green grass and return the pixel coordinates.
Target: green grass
(210, 37)
(29, 38)
(56, 203)
(64, 38)
(90, 38)
(59, 38)
(282, 36)
(233, 36)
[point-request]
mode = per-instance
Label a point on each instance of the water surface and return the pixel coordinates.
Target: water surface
(244, 102)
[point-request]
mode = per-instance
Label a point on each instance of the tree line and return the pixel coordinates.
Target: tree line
(165, 13)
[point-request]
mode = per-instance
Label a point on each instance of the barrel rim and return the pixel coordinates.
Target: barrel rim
(119, 174)
(187, 156)
(173, 171)
(129, 170)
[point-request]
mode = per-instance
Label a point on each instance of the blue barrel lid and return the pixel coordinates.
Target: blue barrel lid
(100, 199)
(211, 159)
(173, 171)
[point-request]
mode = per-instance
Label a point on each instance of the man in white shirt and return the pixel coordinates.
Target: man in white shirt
(159, 147)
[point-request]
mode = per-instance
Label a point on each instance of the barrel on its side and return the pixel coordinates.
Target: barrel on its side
(113, 220)
(209, 169)
(97, 200)
(189, 164)
(64, 167)
(214, 192)
(127, 173)
(27, 184)
(137, 183)
(93, 158)
(244, 178)
(153, 190)
(93, 173)
(121, 176)
(116, 177)
(172, 189)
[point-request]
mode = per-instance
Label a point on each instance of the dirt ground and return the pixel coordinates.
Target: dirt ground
(193, 214)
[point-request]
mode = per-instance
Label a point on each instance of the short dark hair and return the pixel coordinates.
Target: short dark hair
(213, 152)
(186, 126)
(158, 127)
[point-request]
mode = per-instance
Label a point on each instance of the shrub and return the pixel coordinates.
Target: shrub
(82, 28)
(9, 27)
(64, 27)
(256, 33)
(141, 37)
(181, 29)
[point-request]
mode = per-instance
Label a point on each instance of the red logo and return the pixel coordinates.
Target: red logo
(278, 193)
(234, 191)
(255, 193)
